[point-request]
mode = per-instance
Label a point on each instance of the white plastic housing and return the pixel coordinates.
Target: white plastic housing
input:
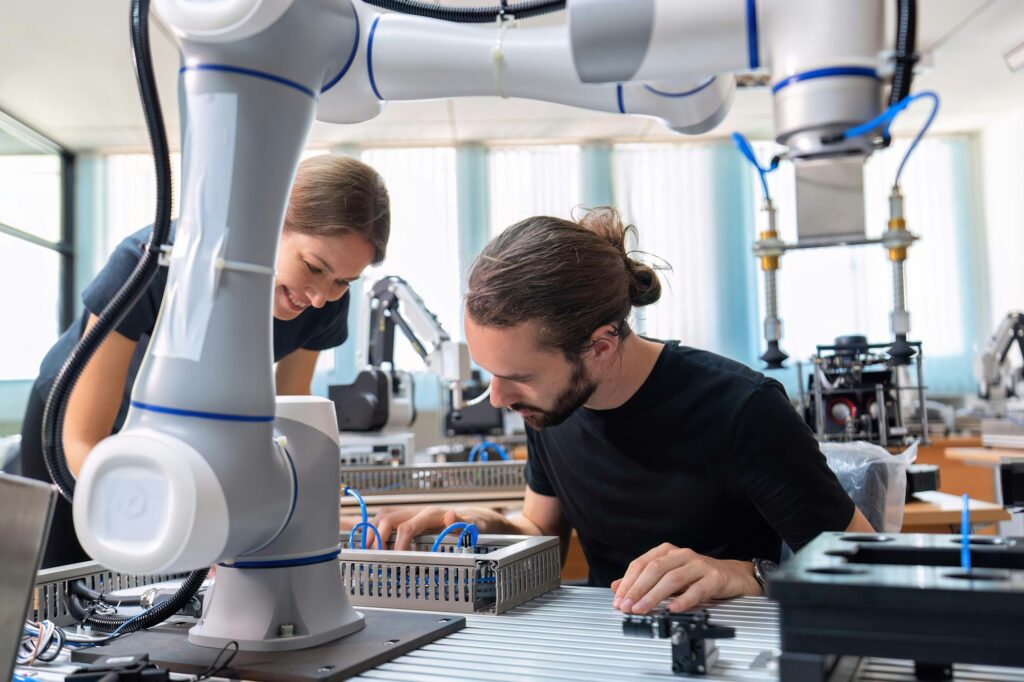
(658, 40)
(148, 503)
(403, 57)
(220, 20)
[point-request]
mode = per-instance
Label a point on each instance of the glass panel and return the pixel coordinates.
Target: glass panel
(30, 299)
(30, 189)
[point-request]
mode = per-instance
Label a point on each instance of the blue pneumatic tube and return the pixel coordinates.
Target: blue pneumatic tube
(965, 532)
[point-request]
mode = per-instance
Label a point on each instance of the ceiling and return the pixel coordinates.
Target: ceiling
(68, 73)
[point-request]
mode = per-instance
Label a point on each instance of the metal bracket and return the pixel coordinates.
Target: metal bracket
(693, 648)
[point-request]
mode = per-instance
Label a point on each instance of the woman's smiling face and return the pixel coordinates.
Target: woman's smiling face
(314, 269)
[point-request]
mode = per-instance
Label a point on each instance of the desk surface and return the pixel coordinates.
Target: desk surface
(983, 456)
(933, 508)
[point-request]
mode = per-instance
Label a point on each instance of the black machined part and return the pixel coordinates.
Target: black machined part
(851, 344)
(900, 596)
(363, 404)
(1011, 479)
(858, 380)
(922, 478)
(774, 357)
(134, 668)
(482, 419)
(901, 351)
(692, 651)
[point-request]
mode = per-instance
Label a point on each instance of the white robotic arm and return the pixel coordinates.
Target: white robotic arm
(401, 57)
(997, 375)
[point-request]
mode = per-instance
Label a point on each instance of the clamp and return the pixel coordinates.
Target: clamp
(692, 635)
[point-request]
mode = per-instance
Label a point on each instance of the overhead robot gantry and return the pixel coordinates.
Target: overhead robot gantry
(207, 469)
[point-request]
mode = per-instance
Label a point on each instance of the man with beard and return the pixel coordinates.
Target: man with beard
(682, 471)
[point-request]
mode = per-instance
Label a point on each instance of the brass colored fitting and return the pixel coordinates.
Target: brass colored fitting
(769, 262)
(899, 253)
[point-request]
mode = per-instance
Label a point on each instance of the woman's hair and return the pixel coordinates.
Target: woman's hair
(571, 276)
(335, 195)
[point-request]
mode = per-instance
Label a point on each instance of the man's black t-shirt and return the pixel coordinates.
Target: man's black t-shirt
(708, 454)
(313, 329)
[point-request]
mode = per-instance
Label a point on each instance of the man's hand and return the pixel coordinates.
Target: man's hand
(407, 523)
(667, 570)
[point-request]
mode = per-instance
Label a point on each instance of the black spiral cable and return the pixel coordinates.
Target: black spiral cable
(906, 45)
(122, 302)
(470, 15)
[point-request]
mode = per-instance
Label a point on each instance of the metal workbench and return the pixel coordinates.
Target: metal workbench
(574, 634)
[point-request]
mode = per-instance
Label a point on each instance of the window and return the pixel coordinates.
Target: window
(529, 181)
(423, 248)
(130, 182)
(31, 301)
(35, 260)
(1002, 145)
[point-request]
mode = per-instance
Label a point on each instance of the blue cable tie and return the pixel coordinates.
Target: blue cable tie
(965, 532)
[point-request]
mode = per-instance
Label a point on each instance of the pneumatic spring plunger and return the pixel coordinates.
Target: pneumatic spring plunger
(768, 248)
(896, 241)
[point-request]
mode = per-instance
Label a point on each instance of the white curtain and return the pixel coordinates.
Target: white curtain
(1002, 145)
(423, 248)
(668, 192)
(529, 181)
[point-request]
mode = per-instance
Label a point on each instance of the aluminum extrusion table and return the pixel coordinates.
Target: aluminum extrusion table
(573, 634)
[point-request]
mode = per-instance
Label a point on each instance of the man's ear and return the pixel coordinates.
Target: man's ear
(604, 342)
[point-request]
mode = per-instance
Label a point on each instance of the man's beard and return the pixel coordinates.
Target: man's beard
(576, 394)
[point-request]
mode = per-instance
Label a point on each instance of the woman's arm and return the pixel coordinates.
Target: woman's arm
(96, 398)
(295, 372)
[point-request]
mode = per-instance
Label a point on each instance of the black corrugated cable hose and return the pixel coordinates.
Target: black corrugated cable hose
(79, 588)
(111, 316)
(469, 15)
(146, 619)
(906, 45)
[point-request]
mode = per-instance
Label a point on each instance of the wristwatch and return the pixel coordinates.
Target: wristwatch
(762, 569)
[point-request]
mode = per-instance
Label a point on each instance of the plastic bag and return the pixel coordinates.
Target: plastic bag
(875, 480)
